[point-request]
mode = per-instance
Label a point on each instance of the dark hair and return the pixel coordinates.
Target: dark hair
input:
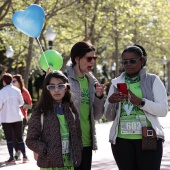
(80, 49)
(18, 77)
(137, 49)
(7, 78)
(143, 51)
(46, 101)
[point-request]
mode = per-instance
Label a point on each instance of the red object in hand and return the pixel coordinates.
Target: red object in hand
(122, 87)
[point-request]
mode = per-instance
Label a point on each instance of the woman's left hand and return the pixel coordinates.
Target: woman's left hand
(134, 99)
(100, 89)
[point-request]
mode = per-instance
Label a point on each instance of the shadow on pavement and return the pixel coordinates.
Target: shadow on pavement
(3, 164)
(106, 164)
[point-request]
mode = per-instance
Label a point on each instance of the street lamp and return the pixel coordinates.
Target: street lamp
(9, 55)
(9, 52)
(164, 60)
(113, 68)
(50, 36)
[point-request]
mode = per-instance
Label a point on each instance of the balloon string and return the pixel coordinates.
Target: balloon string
(42, 51)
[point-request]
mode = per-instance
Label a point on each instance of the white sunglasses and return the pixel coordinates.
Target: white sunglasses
(58, 86)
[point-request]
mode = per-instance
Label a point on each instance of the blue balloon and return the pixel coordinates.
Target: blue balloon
(30, 21)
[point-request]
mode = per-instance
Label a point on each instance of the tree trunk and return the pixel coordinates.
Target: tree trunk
(116, 35)
(28, 62)
(168, 77)
(117, 57)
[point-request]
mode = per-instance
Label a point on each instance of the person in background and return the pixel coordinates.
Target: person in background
(145, 102)
(11, 116)
(87, 96)
(57, 140)
(19, 83)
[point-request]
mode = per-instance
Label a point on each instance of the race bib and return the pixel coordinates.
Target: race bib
(132, 124)
(65, 146)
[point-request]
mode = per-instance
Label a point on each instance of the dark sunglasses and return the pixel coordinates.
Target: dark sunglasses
(14, 81)
(131, 61)
(89, 59)
(59, 87)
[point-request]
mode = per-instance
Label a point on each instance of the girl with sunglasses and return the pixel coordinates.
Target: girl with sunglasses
(87, 96)
(145, 101)
(57, 140)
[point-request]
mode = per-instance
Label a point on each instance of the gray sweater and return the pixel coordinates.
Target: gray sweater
(156, 103)
(96, 104)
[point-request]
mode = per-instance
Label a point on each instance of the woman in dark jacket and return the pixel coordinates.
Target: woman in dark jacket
(58, 142)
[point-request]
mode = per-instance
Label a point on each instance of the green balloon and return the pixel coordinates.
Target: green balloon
(53, 58)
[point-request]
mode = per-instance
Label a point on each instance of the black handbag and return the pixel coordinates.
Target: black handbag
(149, 139)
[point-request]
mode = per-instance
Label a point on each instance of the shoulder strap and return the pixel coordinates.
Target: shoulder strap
(72, 113)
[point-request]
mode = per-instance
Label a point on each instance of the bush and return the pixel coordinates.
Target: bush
(104, 119)
(1, 133)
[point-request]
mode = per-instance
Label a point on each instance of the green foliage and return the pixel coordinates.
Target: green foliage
(110, 25)
(104, 119)
(1, 133)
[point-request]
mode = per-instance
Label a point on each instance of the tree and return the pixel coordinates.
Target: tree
(110, 25)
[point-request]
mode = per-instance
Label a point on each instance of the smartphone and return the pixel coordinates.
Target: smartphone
(122, 87)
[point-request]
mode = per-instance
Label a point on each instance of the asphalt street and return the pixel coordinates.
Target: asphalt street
(102, 158)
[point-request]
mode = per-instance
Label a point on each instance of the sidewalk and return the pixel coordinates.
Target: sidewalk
(102, 158)
(31, 165)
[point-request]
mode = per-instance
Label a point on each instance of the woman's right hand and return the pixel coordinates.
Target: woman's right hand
(48, 71)
(118, 97)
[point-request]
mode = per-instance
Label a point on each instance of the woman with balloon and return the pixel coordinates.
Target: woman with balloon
(87, 92)
(87, 96)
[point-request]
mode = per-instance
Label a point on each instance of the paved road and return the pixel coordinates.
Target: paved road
(102, 159)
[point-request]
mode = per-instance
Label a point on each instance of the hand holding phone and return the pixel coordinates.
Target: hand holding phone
(122, 87)
(116, 96)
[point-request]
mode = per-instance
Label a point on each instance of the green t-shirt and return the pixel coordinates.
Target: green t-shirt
(65, 145)
(132, 118)
(85, 111)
